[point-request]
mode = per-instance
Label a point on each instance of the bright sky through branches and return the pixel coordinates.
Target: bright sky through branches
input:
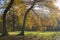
(58, 3)
(2, 2)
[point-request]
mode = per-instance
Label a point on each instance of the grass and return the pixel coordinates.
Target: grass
(14, 33)
(34, 33)
(34, 36)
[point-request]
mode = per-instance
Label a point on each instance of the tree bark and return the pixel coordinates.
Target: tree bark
(5, 33)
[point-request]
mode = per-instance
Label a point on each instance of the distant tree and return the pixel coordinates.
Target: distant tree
(12, 20)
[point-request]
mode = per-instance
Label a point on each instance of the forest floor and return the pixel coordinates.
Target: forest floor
(33, 36)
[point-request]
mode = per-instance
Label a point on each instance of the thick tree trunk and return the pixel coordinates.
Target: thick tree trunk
(24, 21)
(5, 33)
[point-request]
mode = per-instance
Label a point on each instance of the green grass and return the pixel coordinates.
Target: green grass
(34, 33)
(13, 33)
(30, 35)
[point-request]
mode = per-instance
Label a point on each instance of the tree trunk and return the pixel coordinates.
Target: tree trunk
(5, 33)
(13, 22)
(24, 21)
